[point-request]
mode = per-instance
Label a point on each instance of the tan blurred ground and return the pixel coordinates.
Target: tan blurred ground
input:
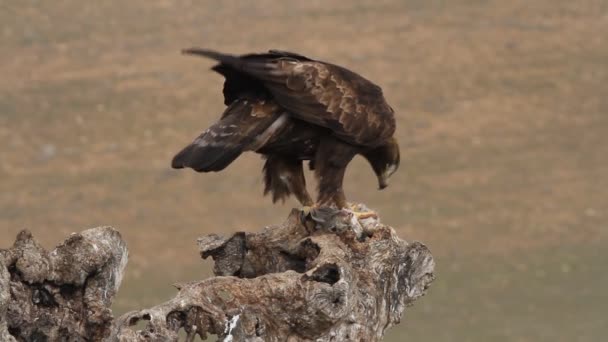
(502, 116)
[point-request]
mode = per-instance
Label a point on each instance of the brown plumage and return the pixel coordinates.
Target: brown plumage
(291, 108)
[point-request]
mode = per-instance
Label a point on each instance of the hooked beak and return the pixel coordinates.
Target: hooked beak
(382, 183)
(383, 178)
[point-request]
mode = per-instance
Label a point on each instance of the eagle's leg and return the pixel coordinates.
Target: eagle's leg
(283, 177)
(297, 183)
(331, 160)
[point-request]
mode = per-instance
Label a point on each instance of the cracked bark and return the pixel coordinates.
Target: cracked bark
(62, 295)
(319, 276)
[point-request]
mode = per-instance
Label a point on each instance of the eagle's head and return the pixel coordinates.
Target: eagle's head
(384, 159)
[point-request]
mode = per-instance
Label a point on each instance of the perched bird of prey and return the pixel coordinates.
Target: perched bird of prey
(291, 109)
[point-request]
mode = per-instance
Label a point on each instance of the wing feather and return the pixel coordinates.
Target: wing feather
(245, 125)
(320, 93)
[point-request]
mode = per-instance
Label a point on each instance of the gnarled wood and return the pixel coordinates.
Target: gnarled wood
(62, 295)
(322, 275)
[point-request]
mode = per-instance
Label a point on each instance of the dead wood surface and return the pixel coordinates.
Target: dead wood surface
(62, 295)
(322, 275)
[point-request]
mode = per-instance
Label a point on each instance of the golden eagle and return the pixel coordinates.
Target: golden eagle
(291, 108)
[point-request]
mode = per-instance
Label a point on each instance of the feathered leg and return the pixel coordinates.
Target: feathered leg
(331, 161)
(283, 177)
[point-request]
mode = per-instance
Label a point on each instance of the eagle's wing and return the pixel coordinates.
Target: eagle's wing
(244, 126)
(320, 93)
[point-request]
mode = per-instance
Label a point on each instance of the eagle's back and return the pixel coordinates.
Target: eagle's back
(317, 92)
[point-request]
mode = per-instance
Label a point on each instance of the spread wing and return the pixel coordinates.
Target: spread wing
(320, 93)
(244, 126)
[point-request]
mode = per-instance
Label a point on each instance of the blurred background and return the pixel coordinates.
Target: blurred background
(502, 114)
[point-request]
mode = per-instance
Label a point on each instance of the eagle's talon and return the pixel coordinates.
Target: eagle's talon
(361, 215)
(365, 215)
(306, 210)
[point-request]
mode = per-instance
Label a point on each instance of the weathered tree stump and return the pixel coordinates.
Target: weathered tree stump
(320, 276)
(64, 295)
